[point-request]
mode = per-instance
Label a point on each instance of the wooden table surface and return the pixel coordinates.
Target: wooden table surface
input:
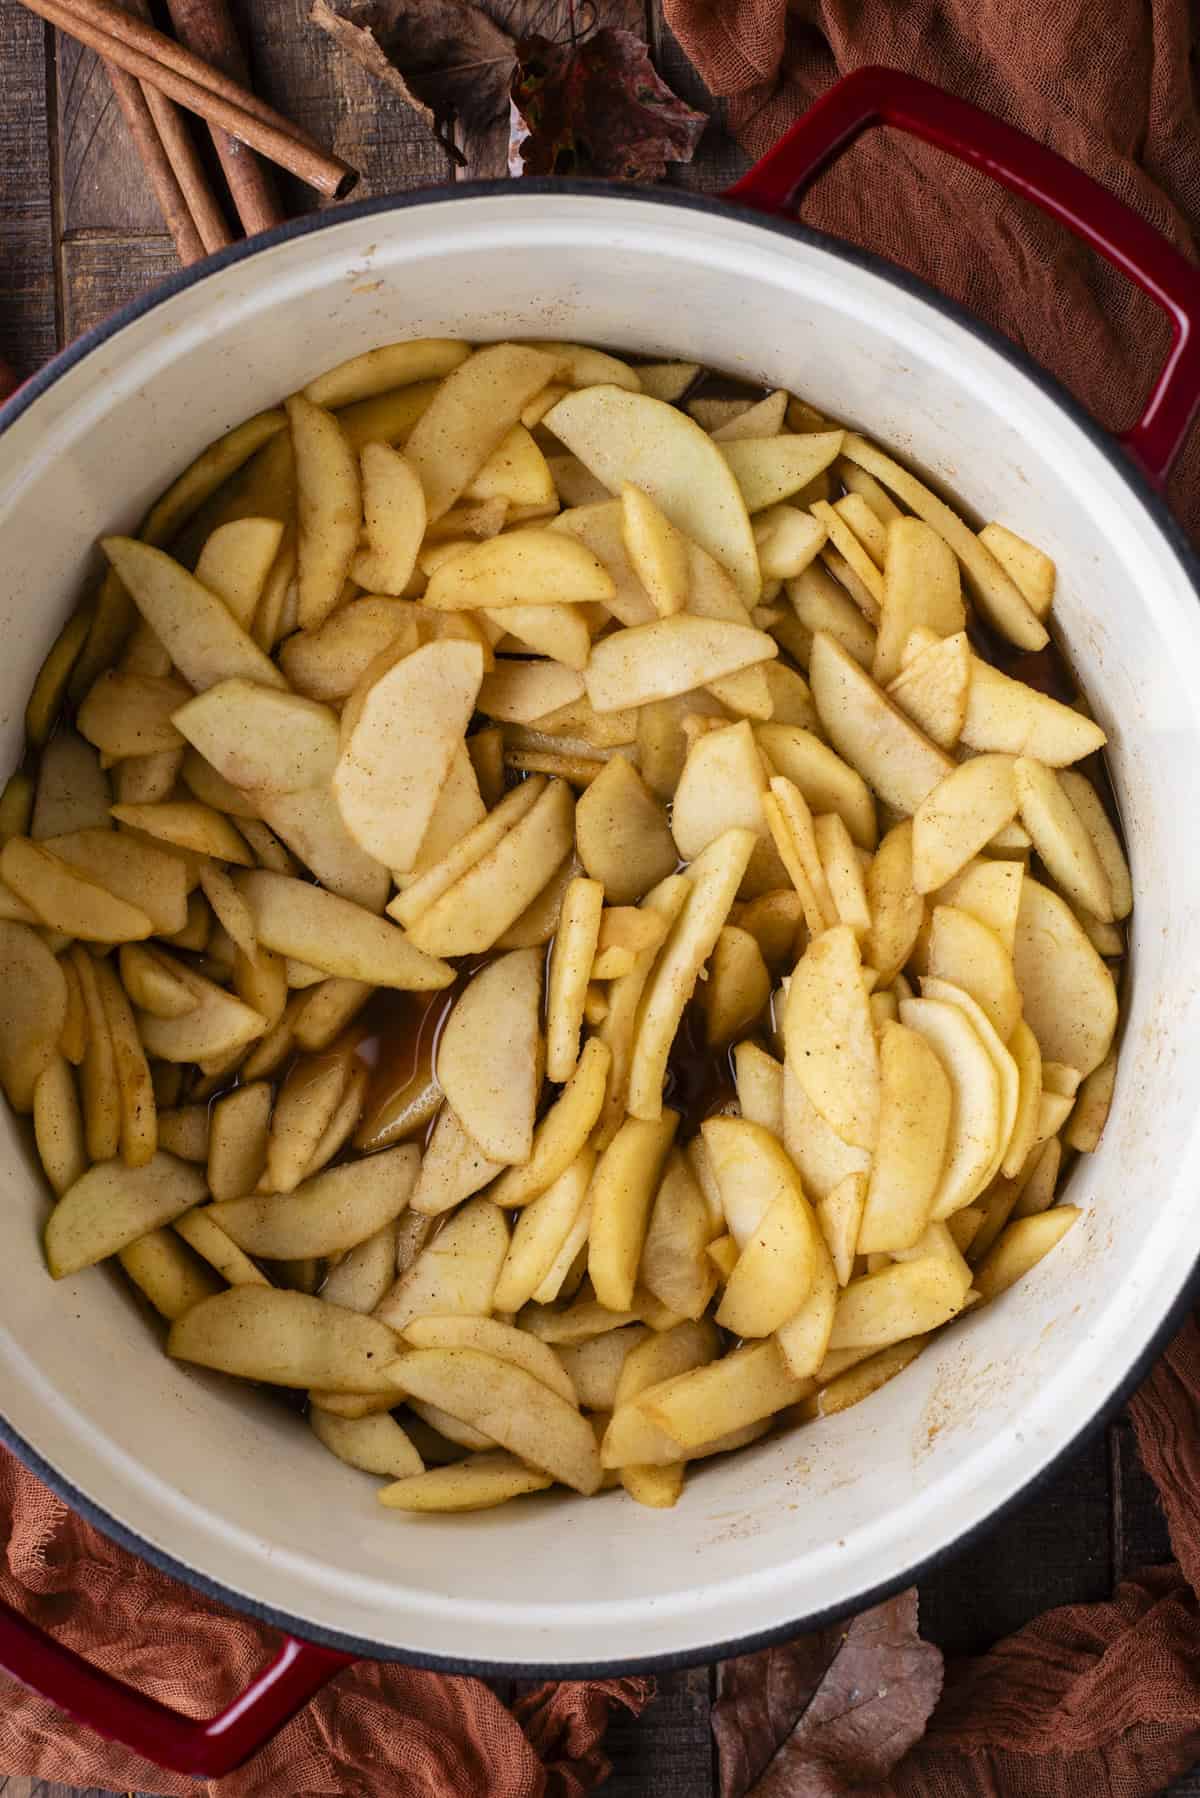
(79, 235)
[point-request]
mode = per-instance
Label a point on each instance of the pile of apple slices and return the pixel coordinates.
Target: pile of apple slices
(637, 723)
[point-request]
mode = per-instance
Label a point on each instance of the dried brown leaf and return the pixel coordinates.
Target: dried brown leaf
(444, 58)
(597, 107)
(829, 1713)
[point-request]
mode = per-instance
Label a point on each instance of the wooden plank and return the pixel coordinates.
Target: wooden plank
(668, 1750)
(16, 1787)
(27, 292)
(719, 159)
(1055, 1550)
(1139, 1528)
(102, 185)
(297, 68)
(102, 271)
(486, 152)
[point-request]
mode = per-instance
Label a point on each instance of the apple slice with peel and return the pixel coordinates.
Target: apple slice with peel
(622, 436)
(487, 1056)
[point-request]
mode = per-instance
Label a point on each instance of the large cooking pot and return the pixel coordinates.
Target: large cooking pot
(218, 1484)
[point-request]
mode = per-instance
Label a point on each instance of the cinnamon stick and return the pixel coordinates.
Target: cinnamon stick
(207, 27)
(153, 57)
(131, 98)
(184, 159)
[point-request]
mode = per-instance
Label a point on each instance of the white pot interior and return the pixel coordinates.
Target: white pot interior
(222, 1479)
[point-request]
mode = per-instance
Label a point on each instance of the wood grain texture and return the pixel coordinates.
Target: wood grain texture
(101, 183)
(1139, 1526)
(1054, 1550)
(15, 1787)
(668, 1751)
(27, 311)
(297, 68)
(719, 159)
(101, 271)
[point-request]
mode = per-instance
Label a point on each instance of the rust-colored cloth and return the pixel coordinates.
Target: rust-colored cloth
(1099, 1699)
(377, 1727)
(1107, 83)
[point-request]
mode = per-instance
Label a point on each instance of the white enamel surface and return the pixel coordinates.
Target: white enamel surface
(226, 1482)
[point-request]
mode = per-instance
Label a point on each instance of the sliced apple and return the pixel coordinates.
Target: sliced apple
(476, 908)
(907, 1299)
(1061, 838)
(286, 1339)
(395, 760)
(869, 730)
(111, 1205)
(487, 1055)
(623, 436)
(971, 955)
(1007, 1071)
(1107, 843)
(1029, 567)
(518, 692)
(1069, 996)
(673, 655)
(921, 587)
(393, 520)
(976, 1115)
(830, 1038)
(200, 634)
(327, 1215)
(1007, 715)
(298, 919)
(310, 823)
(996, 595)
(959, 816)
(622, 1191)
(260, 738)
(715, 876)
(473, 409)
(770, 469)
(527, 567)
(33, 1011)
(236, 560)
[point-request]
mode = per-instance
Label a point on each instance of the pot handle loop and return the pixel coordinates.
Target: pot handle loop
(207, 1747)
(882, 96)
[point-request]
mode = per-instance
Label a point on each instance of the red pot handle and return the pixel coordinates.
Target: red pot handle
(208, 1747)
(880, 96)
